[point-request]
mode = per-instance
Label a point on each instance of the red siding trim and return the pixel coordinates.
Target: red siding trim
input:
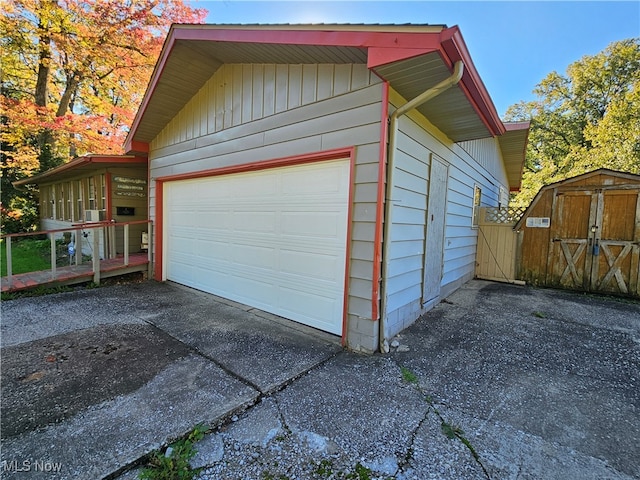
(381, 56)
(382, 174)
(302, 36)
(136, 146)
(264, 164)
(158, 237)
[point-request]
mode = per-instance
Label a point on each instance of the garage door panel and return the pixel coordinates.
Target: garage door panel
(320, 224)
(254, 221)
(273, 239)
(326, 180)
(299, 303)
(325, 267)
(255, 256)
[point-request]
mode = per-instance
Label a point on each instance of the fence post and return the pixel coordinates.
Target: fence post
(126, 244)
(53, 256)
(95, 255)
(9, 265)
(78, 247)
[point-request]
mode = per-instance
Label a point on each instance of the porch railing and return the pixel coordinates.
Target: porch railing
(79, 236)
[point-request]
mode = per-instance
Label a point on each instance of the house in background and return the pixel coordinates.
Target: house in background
(92, 188)
(329, 174)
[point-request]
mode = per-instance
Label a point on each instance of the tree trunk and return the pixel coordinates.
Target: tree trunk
(73, 80)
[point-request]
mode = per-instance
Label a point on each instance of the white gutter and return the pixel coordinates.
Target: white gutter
(444, 85)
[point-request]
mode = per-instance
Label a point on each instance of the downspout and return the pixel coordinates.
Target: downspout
(434, 91)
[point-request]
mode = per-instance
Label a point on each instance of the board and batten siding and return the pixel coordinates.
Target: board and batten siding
(296, 110)
(418, 142)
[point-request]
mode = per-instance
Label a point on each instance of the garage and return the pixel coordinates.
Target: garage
(274, 239)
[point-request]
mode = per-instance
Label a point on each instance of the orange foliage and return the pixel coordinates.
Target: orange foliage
(97, 57)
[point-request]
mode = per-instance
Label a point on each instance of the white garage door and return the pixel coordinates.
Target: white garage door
(273, 239)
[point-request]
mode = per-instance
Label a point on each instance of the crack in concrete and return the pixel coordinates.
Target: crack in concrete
(457, 433)
(408, 456)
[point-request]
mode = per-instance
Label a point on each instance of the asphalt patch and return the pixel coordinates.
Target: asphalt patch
(48, 380)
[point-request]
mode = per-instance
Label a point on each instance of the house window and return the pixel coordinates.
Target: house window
(103, 192)
(477, 196)
(79, 196)
(52, 202)
(69, 201)
(60, 204)
(46, 210)
(92, 194)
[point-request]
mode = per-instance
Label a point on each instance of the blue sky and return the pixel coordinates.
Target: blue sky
(514, 45)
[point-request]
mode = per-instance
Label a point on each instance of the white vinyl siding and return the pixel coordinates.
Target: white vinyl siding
(417, 142)
(349, 118)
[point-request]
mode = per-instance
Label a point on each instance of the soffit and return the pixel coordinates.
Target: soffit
(193, 62)
(513, 144)
(451, 111)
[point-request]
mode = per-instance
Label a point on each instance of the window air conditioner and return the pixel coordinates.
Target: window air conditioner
(95, 215)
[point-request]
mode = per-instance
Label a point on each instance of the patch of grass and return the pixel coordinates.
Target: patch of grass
(173, 462)
(324, 468)
(452, 432)
(539, 314)
(408, 376)
(360, 472)
(28, 255)
(270, 476)
(36, 292)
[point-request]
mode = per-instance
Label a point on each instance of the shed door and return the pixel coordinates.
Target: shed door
(435, 223)
(570, 261)
(596, 240)
(617, 238)
(272, 239)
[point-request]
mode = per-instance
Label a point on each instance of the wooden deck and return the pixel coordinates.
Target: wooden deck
(74, 274)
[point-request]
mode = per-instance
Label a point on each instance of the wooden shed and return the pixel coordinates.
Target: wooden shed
(583, 233)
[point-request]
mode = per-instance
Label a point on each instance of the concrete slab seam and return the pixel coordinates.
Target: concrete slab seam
(453, 432)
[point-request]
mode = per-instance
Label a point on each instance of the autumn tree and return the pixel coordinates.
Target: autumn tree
(584, 120)
(73, 75)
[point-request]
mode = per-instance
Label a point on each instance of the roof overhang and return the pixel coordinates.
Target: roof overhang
(81, 166)
(412, 58)
(513, 145)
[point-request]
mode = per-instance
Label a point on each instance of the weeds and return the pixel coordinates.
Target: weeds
(408, 376)
(450, 431)
(173, 463)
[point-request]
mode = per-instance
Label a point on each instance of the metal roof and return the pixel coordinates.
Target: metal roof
(82, 165)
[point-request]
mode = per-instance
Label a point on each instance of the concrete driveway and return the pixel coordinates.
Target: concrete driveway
(498, 381)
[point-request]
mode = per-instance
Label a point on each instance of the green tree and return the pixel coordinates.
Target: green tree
(584, 120)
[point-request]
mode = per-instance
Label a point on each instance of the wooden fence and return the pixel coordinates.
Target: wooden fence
(496, 257)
